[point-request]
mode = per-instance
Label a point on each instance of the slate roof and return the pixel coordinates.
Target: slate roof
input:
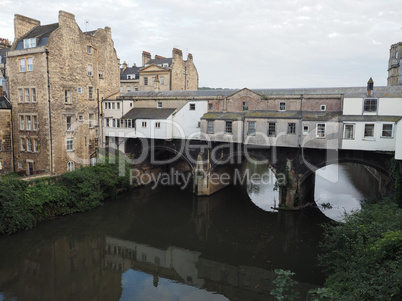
(349, 92)
(129, 70)
(4, 104)
(369, 118)
(308, 116)
(159, 61)
(41, 32)
(148, 113)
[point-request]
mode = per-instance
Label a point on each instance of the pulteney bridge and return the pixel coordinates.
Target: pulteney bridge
(215, 165)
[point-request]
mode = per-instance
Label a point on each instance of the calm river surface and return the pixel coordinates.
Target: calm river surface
(164, 244)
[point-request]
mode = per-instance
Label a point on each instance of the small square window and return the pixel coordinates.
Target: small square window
(282, 106)
(79, 90)
(245, 105)
(370, 105)
(159, 105)
(323, 107)
(192, 106)
(210, 107)
(157, 125)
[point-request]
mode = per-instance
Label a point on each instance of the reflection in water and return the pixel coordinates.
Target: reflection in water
(165, 244)
(261, 189)
(340, 189)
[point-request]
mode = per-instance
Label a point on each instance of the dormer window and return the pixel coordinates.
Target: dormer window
(165, 65)
(29, 43)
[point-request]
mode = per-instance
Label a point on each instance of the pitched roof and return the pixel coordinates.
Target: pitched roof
(160, 61)
(129, 70)
(4, 103)
(41, 32)
(148, 113)
(224, 115)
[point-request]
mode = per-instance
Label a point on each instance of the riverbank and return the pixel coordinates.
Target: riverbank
(25, 203)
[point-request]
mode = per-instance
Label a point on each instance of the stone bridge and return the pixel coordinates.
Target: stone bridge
(215, 165)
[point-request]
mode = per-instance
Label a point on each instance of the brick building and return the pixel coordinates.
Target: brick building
(160, 74)
(58, 76)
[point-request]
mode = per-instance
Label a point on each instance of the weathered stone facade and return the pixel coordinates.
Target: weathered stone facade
(394, 71)
(59, 131)
(6, 152)
(160, 74)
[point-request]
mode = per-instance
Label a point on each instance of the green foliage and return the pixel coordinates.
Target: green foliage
(363, 255)
(284, 290)
(397, 195)
(321, 294)
(22, 206)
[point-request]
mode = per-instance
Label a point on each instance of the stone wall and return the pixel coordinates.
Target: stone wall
(6, 165)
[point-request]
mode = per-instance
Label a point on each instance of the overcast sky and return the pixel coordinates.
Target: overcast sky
(247, 43)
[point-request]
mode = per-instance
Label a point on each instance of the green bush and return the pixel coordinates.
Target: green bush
(363, 255)
(22, 206)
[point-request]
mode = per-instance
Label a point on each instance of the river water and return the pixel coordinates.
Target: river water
(164, 244)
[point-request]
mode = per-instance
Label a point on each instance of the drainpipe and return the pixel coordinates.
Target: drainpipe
(50, 112)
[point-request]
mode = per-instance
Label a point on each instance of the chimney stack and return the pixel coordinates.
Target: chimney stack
(146, 56)
(370, 86)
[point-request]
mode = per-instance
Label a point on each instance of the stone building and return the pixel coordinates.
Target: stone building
(6, 152)
(4, 47)
(160, 74)
(58, 76)
(394, 71)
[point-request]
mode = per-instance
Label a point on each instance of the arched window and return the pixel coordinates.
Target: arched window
(70, 166)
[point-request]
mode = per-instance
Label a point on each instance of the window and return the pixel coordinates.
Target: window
(29, 43)
(349, 131)
(159, 105)
(28, 120)
(135, 88)
(128, 89)
(70, 144)
(369, 131)
(90, 70)
(145, 81)
(19, 165)
(29, 145)
(70, 167)
(79, 90)
(162, 79)
(113, 105)
(20, 95)
(228, 127)
(251, 128)
(144, 124)
(153, 80)
(387, 130)
(192, 106)
(90, 92)
(22, 123)
(80, 117)
(245, 105)
(271, 129)
(157, 125)
(291, 128)
(210, 107)
(36, 147)
(91, 120)
(305, 130)
(210, 127)
(107, 122)
(67, 96)
(105, 105)
(320, 130)
(101, 74)
(22, 65)
(33, 91)
(35, 123)
(370, 105)
(118, 105)
(23, 144)
(29, 64)
(282, 106)
(121, 89)
(323, 107)
(89, 49)
(26, 90)
(68, 123)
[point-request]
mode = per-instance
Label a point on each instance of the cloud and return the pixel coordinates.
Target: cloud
(255, 44)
